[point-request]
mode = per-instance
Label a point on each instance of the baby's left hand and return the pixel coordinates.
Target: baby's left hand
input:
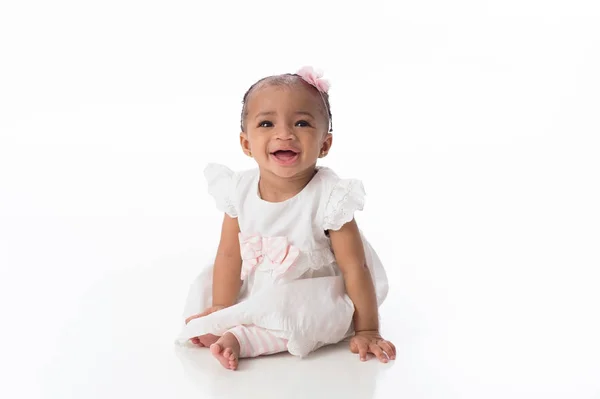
(365, 342)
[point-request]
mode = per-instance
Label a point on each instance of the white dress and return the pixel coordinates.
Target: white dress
(292, 285)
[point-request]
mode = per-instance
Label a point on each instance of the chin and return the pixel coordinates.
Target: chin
(285, 172)
(288, 172)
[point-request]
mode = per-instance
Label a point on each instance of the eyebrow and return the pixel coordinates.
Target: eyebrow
(266, 113)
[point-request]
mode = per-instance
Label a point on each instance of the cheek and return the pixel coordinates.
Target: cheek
(256, 142)
(311, 144)
(311, 141)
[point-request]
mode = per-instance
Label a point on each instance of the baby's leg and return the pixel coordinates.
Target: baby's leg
(245, 341)
(255, 341)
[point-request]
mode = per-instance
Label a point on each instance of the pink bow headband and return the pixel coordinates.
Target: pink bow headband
(315, 78)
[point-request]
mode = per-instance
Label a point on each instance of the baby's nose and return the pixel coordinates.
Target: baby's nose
(285, 132)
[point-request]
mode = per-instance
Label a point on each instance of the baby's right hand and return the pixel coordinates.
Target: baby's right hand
(208, 311)
(209, 338)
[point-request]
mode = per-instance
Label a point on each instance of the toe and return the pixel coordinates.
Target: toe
(215, 348)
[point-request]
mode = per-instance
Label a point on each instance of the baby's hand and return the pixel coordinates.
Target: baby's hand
(365, 342)
(208, 339)
(208, 311)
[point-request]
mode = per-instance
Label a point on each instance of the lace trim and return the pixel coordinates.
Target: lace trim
(220, 187)
(319, 258)
(229, 207)
(343, 211)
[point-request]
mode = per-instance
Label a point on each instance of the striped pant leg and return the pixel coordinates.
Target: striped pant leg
(255, 341)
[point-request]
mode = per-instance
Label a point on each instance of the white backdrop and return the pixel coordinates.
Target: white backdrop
(474, 126)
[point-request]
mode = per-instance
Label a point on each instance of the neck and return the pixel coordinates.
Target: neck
(273, 188)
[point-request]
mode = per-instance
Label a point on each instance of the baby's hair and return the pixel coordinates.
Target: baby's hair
(287, 79)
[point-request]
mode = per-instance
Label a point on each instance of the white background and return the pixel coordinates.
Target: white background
(474, 126)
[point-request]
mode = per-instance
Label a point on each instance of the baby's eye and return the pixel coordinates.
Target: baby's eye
(265, 124)
(302, 123)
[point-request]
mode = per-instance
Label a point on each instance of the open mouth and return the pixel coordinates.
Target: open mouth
(285, 157)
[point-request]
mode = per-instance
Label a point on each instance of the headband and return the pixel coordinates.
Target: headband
(315, 78)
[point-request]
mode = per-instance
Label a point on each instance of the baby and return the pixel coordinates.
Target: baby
(293, 272)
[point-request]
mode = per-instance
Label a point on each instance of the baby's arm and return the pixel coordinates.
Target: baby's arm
(350, 255)
(226, 276)
(228, 265)
(226, 271)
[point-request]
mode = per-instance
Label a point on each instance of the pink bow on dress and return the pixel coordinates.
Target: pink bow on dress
(277, 250)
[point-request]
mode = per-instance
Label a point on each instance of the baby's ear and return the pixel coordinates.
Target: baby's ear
(326, 146)
(245, 144)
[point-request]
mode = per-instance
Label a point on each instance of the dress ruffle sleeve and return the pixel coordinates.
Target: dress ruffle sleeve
(221, 186)
(346, 197)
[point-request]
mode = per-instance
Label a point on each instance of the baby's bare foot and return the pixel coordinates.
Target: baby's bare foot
(205, 341)
(226, 350)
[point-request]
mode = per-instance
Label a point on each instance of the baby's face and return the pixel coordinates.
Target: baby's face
(286, 129)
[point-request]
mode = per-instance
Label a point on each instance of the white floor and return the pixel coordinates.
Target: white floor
(97, 278)
(474, 127)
